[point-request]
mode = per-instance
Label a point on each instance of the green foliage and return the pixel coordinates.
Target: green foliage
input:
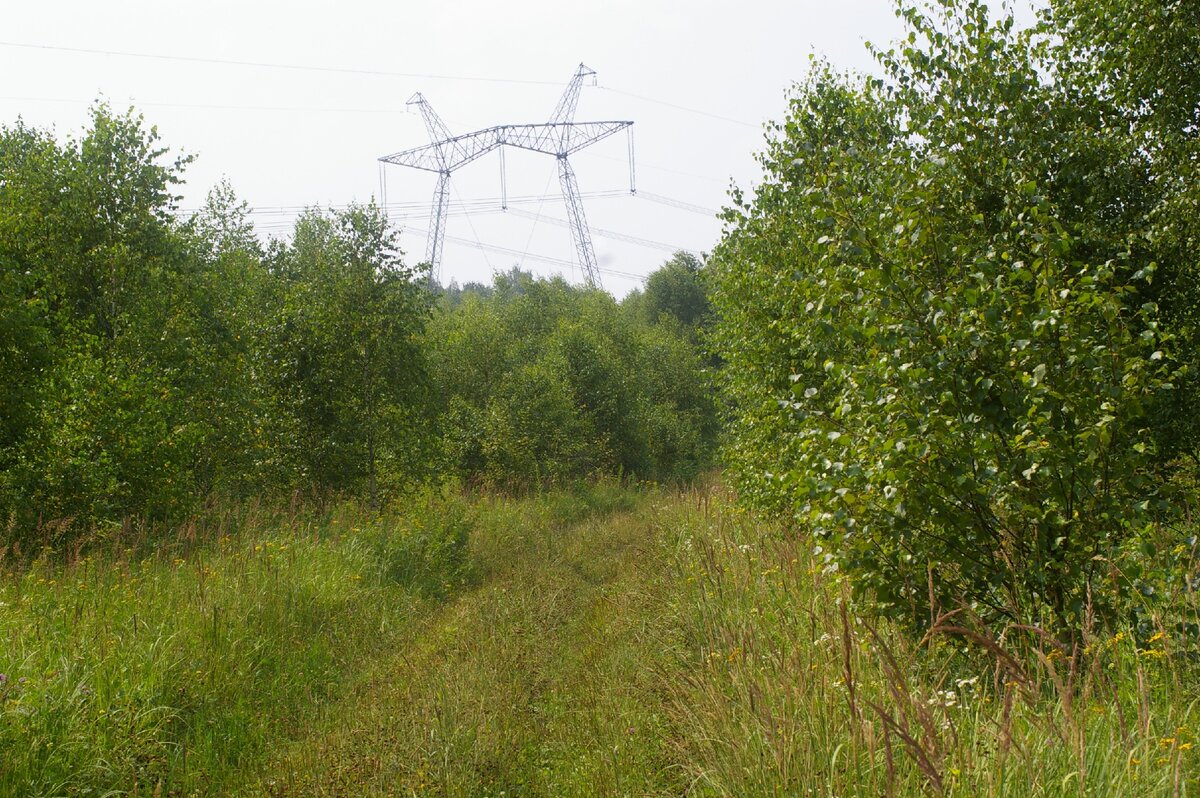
(676, 290)
(152, 363)
(350, 368)
(94, 277)
(541, 383)
(942, 345)
(1132, 64)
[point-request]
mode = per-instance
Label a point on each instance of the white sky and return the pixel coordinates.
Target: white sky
(287, 138)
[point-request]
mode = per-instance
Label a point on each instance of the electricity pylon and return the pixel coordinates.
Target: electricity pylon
(560, 137)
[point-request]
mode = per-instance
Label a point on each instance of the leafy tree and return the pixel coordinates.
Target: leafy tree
(353, 373)
(93, 264)
(941, 345)
(676, 290)
(1134, 65)
(153, 361)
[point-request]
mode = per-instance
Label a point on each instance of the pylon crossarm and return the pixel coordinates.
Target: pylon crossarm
(461, 149)
(549, 138)
(559, 139)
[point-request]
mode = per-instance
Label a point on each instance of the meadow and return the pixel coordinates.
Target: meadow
(604, 641)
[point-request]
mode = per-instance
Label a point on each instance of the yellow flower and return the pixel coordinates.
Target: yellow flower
(1157, 636)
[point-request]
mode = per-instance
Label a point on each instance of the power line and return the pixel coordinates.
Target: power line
(678, 107)
(464, 206)
(643, 165)
(402, 212)
(677, 203)
(215, 106)
(271, 64)
(643, 242)
(562, 262)
(336, 70)
(474, 233)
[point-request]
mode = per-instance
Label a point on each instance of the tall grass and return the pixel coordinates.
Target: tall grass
(601, 642)
(786, 691)
(178, 667)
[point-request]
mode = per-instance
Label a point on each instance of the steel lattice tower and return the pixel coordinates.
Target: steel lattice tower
(560, 137)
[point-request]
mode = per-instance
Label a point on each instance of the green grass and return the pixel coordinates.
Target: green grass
(787, 692)
(607, 641)
(184, 666)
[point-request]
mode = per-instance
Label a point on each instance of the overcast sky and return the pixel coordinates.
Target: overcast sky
(287, 138)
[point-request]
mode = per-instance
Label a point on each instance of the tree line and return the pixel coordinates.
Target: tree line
(154, 360)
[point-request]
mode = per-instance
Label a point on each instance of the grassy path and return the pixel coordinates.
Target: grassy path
(604, 642)
(539, 681)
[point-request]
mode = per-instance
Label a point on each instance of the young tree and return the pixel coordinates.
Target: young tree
(353, 373)
(941, 345)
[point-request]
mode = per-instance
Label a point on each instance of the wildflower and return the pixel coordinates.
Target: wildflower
(1184, 746)
(1157, 636)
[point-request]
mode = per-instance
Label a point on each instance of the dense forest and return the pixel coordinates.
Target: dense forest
(893, 493)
